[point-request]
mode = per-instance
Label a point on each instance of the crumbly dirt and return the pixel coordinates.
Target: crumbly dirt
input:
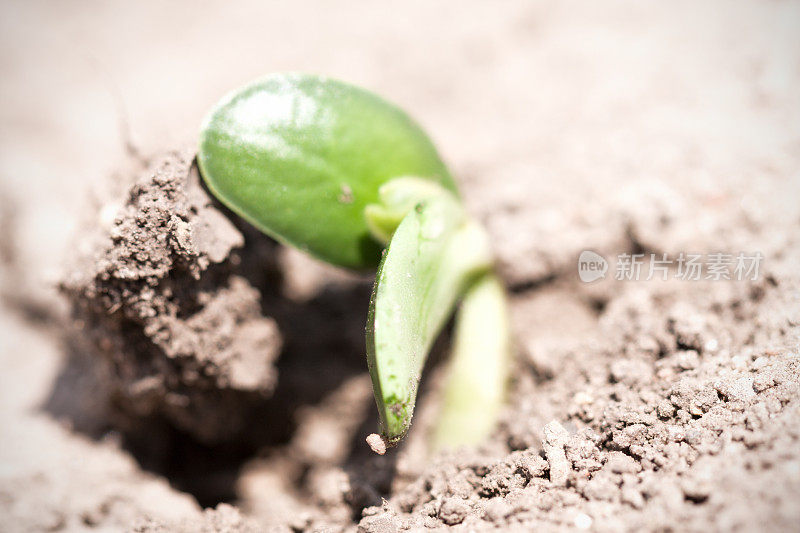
(168, 368)
(178, 332)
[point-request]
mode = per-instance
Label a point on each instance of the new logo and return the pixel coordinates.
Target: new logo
(591, 266)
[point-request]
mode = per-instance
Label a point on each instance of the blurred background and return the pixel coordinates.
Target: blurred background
(547, 88)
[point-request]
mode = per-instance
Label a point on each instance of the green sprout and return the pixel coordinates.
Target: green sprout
(349, 178)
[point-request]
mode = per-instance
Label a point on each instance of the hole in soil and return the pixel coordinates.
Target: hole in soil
(207, 472)
(323, 347)
(173, 414)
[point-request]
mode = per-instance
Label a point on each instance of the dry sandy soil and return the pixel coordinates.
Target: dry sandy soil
(166, 368)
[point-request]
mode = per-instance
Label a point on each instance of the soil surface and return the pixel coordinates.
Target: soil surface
(168, 368)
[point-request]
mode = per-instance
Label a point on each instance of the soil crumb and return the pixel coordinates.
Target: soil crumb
(376, 443)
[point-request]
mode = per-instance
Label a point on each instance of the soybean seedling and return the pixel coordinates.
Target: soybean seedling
(349, 178)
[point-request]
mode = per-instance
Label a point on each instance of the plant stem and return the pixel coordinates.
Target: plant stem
(478, 369)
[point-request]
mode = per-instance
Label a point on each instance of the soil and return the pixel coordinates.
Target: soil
(168, 368)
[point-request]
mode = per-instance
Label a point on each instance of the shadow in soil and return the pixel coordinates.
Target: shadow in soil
(323, 347)
(371, 476)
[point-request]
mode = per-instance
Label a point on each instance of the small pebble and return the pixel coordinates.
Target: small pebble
(377, 443)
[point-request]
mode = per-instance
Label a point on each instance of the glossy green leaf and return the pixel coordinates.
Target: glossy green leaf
(433, 257)
(300, 157)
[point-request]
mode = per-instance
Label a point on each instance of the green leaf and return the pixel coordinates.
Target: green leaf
(300, 157)
(433, 257)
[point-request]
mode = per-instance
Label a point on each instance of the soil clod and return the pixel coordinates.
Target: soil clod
(376, 443)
